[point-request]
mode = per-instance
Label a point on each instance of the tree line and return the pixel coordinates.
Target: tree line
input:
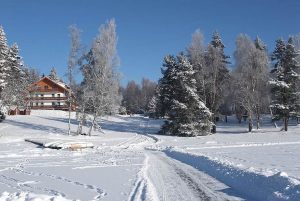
(15, 76)
(137, 96)
(200, 85)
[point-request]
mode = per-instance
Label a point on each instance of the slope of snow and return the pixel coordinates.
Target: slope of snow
(130, 162)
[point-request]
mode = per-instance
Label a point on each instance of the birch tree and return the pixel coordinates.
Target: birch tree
(72, 64)
(196, 54)
(251, 77)
(101, 79)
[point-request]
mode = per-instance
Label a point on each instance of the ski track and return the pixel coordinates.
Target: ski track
(161, 175)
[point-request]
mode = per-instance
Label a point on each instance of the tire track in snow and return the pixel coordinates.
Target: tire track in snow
(176, 181)
(144, 188)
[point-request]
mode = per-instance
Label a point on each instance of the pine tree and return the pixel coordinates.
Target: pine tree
(166, 85)
(4, 67)
(285, 103)
(188, 115)
(217, 76)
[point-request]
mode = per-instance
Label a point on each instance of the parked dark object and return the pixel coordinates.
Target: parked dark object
(2, 116)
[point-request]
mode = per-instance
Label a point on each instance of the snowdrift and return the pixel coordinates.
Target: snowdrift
(59, 144)
(249, 184)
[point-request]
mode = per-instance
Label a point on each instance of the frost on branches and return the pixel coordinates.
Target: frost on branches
(187, 114)
(285, 102)
(12, 74)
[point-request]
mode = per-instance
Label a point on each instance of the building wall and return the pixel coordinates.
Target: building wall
(46, 94)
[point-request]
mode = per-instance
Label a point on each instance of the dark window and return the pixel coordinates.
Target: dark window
(58, 95)
(46, 87)
(53, 95)
(58, 103)
(42, 95)
(42, 104)
(36, 104)
(53, 104)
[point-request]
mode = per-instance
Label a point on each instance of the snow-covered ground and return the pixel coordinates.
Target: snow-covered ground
(130, 162)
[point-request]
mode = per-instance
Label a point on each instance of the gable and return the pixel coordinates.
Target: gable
(47, 84)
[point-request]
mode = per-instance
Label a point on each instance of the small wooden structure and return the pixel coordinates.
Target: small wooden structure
(19, 111)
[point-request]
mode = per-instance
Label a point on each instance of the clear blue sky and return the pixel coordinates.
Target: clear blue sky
(147, 30)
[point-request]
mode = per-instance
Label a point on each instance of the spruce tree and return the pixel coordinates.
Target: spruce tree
(166, 86)
(188, 115)
(285, 103)
(4, 67)
(217, 76)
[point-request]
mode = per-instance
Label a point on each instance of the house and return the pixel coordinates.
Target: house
(49, 94)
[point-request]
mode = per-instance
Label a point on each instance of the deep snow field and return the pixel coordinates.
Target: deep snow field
(130, 162)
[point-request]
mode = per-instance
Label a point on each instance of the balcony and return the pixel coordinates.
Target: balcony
(47, 98)
(45, 90)
(50, 107)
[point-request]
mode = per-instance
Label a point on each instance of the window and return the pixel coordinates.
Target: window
(42, 104)
(58, 95)
(42, 95)
(58, 103)
(53, 95)
(53, 104)
(36, 95)
(36, 104)
(45, 87)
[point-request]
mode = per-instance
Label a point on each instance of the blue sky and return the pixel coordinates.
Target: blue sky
(147, 30)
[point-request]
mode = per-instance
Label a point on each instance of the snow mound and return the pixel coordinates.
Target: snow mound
(254, 185)
(27, 196)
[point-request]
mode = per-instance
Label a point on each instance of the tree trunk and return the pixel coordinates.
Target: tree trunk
(257, 121)
(92, 126)
(250, 126)
(214, 127)
(286, 120)
(79, 129)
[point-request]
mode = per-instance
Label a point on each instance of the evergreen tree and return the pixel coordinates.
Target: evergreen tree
(4, 51)
(166, 86)
(188, 115)
(285, 103)
(217, 76)
(17, 82)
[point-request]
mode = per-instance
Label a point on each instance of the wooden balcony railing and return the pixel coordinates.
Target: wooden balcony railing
(50, 107)
(44, 90)
(46, 98)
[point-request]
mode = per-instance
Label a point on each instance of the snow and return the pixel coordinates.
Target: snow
(130, 162)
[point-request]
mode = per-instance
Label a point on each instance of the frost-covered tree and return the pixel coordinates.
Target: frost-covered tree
(187, 114)
(285, 101)
(17, 82)
(100, 78)
(53, 75)
(72, 64)
(166, 86)
(132, 97)
(4, 54)
(217, 76)
(196, 54)
(251, 77)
